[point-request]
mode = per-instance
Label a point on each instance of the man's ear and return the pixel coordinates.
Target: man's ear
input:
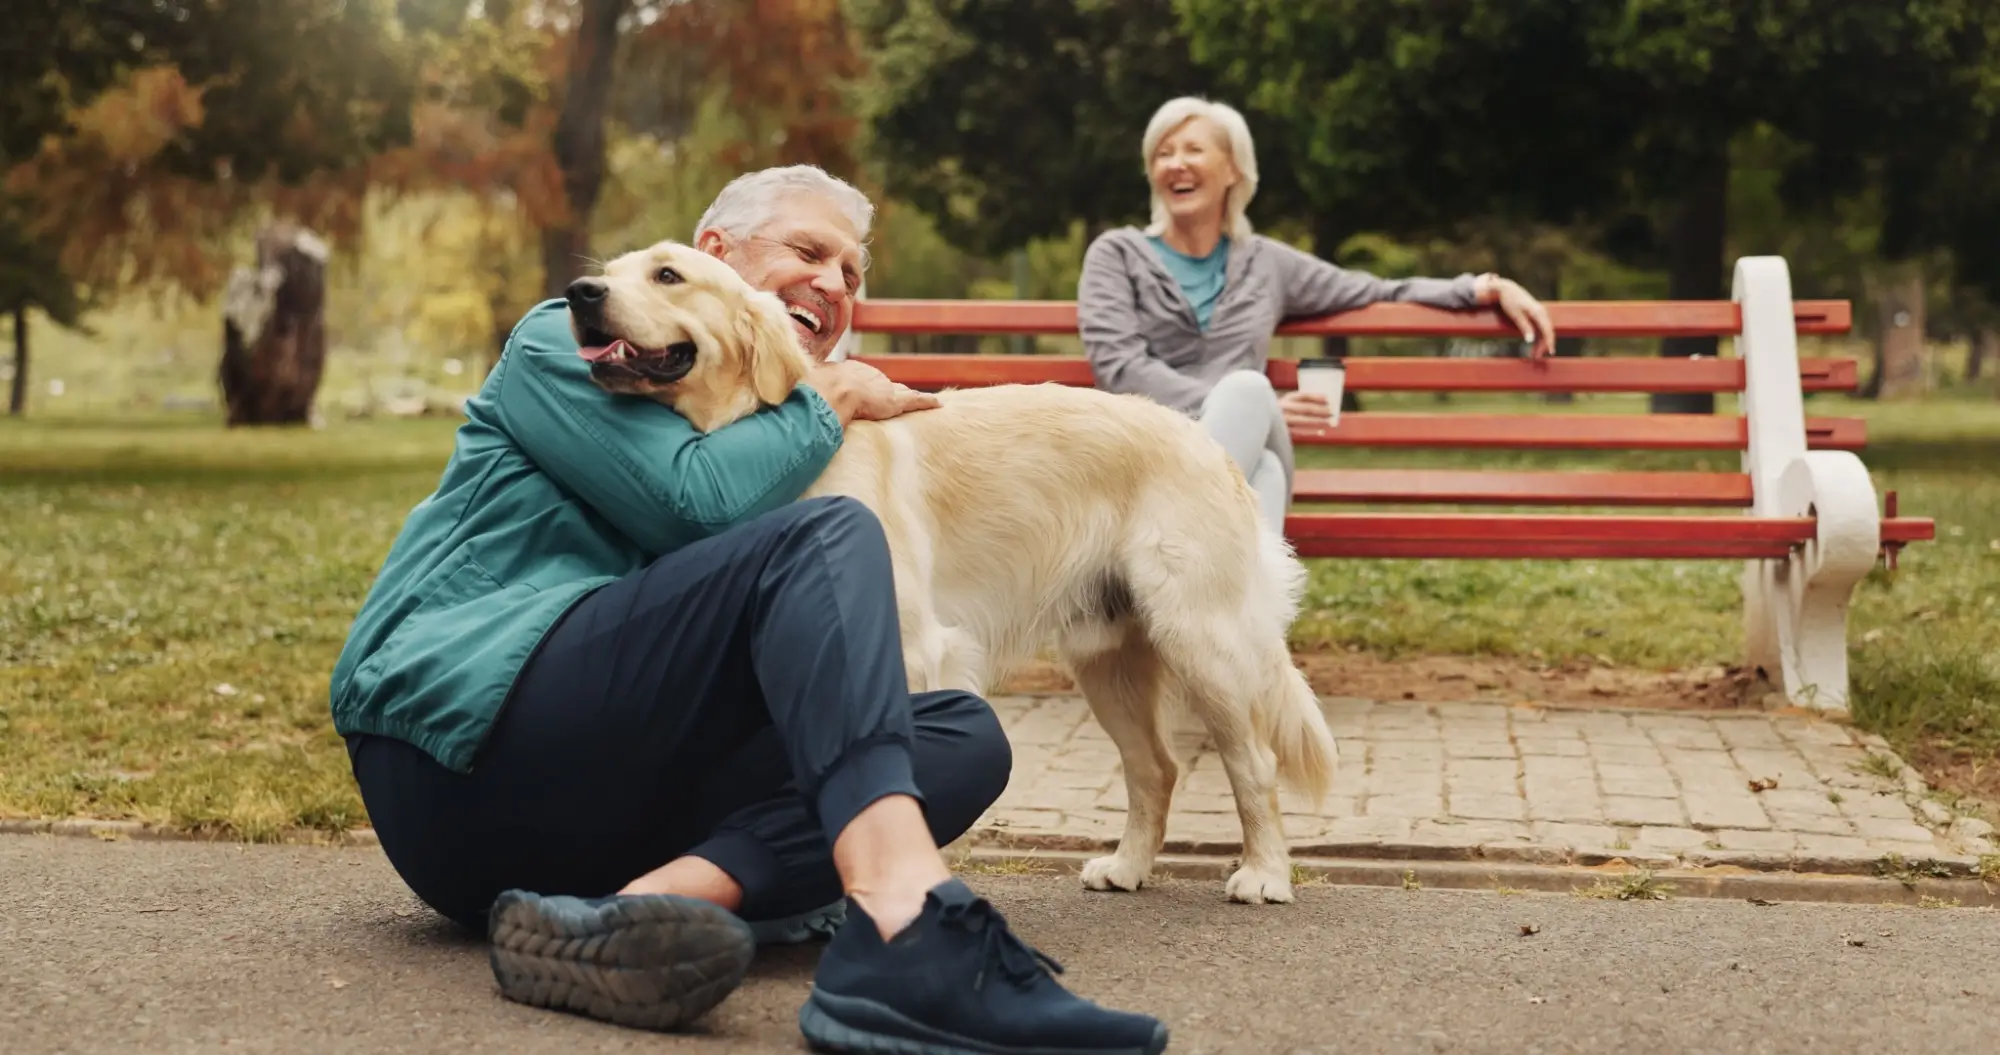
(711, 242)
(772, 356)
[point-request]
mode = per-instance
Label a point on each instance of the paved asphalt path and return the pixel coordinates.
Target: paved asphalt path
(181, 947)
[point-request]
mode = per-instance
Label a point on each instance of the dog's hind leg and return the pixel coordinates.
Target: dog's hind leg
(1123, 685)
(1231, 683)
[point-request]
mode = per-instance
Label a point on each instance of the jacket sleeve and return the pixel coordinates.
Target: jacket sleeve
(1315, 287)
(637, 463)
(1107, 317)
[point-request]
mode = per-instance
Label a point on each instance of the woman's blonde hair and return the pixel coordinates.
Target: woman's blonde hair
(1242, 151)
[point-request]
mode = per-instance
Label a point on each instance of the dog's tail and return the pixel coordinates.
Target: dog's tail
(1307, 754)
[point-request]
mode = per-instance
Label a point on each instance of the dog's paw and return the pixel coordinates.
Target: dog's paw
(1113, 873)
(1255, 886)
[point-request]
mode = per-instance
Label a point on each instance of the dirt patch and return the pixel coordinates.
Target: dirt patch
(1435, 679)
(1960, 771)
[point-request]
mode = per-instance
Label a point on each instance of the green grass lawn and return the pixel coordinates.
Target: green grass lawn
(172, 596)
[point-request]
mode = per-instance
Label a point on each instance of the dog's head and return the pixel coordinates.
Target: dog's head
(679, 326)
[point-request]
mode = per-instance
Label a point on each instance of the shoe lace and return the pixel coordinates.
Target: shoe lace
(1020, 963)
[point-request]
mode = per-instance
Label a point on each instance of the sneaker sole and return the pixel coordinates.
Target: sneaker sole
(824, 1032)
(654, 962)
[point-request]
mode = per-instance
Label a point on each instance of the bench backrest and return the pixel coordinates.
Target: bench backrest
(1407, 374)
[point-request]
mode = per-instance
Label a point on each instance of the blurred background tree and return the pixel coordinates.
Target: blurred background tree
(464, 158)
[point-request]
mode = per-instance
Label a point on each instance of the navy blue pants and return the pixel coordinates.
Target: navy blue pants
(740, 699)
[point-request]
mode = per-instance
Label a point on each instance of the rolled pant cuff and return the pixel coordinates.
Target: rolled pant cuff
(747, 860)
(869, 771)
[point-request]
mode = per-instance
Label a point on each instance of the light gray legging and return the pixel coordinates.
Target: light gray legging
(1242, 413)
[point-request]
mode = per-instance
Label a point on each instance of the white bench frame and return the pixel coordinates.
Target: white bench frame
(1795, 610)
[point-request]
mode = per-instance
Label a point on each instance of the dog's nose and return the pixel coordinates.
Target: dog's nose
(586, 292)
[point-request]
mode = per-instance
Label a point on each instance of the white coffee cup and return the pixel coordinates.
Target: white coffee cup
(1326, 377)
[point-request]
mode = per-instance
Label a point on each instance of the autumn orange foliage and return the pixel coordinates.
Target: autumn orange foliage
(125, 217)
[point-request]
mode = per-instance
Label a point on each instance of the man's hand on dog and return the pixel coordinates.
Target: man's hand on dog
(857, 390)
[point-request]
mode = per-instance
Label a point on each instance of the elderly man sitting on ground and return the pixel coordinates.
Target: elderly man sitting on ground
(623, 703)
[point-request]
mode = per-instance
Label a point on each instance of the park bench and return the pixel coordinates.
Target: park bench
(1802, 514)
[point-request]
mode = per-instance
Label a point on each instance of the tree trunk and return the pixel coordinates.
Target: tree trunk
(1900, 340)
(1694, 249)
(1985, 348)
(503, 328)
(1326, 236)
(1550, 285)
(17, 399)
(579, 141)
(274, 330)
(1021, 344)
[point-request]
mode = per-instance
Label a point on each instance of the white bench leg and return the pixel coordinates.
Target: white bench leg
(1795, 610)
(1801, 602)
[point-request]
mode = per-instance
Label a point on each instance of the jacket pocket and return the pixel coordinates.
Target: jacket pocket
(452, 602)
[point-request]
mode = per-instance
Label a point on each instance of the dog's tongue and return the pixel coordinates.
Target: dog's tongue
(609, 351)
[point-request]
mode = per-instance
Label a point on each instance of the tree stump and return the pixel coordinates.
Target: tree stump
(274, 330)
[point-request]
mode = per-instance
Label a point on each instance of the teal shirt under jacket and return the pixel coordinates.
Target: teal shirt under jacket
(554, 488)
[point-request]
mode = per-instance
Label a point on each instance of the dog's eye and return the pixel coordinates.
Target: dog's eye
(667, 276)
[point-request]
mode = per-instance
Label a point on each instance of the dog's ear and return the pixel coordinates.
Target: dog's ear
(772, 357)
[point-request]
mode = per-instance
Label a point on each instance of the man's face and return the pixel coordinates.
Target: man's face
(810, 256)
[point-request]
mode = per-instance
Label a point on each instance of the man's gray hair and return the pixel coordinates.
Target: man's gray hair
(749, 200)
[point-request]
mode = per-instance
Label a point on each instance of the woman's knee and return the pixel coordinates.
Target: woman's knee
(1243, 388)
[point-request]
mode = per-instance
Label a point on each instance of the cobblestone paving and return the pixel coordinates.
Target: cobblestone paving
(1462, 781)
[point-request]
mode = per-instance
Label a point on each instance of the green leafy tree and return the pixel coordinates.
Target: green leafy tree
(1007, 121)
(150, 137)
(1622, 116)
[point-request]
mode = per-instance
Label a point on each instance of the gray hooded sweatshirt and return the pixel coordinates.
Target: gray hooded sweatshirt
(1140, 333)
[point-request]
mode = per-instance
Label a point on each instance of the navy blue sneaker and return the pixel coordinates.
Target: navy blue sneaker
(957, 981)
(651, 961)
(812, 925)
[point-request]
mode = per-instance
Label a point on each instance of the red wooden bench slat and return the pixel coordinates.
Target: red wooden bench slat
(1625, 374)
(930, 372)
(1478, 535)
(1655, 432)
(1515, 549)
(1473, 487)
(1393, 375)
(1552, 527)
(1610, 318)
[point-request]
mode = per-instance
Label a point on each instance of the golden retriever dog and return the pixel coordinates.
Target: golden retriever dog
(1106, 527)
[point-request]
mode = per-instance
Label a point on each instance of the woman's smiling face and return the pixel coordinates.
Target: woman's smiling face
(1192, 170)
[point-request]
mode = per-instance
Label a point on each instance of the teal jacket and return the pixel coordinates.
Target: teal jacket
(554, 488)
